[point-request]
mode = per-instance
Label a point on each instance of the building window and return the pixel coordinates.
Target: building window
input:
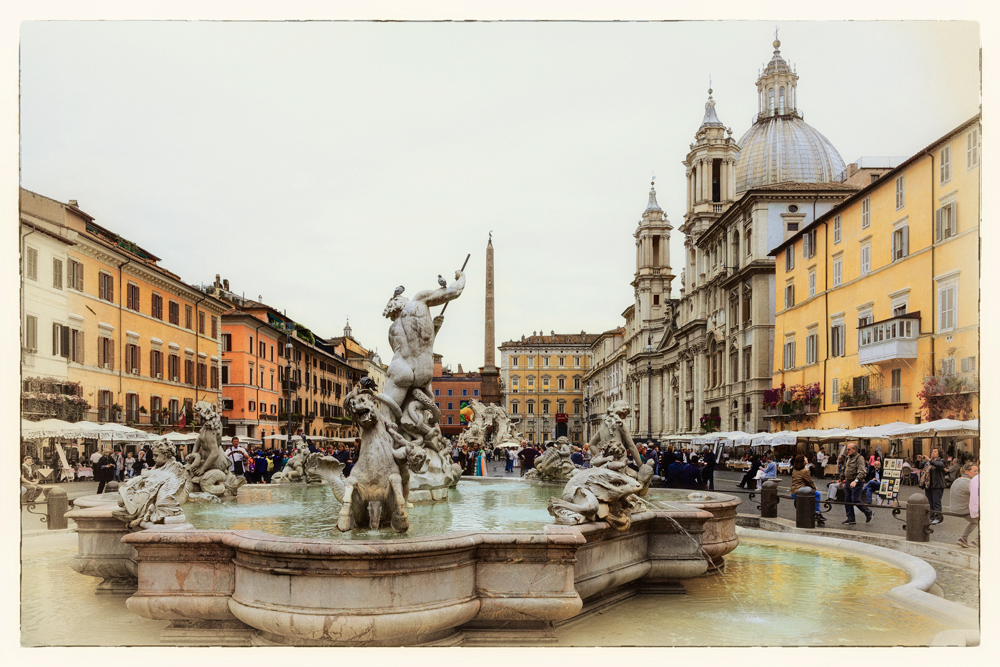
(562, 361)
(812, 340)
(809, 244)
(201, 322)
(57, 273)
(451, 406)
(76, 345)
(475, 392)
(789, 353)
(132, 296)
(900, 242)
(60, 340)
(945, 159)
(836, 229)
(155, 364)
(30, 333)
(227, 342)
(449, 392)
(576, 382)
(132, 407)
(157, 309)
(465, 392)
(838, 272)
(947, 306)
(545, 384)
(835, 391)
(576, 361)
(203, 375)
(187, 317)
(948, 366)
(900, 191)
(972, 143)
(789, 295)
(545, 407)
(531, 407)
(174, 311)
(514, 382)
(106, 287)
(225, 373)
(747, 352)
(174, 368)
(790, 258)
(531, 362)
(562, 383)
(133, 361)
(866, 208)
(866, 259)
(946, 224)
(837, 338)
(812, 283)
(31, 263)
(513, 361)
(969, 364)
(189, 371)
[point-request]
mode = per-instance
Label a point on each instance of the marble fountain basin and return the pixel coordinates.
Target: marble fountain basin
(493, 580)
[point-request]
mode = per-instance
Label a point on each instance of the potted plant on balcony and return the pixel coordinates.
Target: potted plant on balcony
(116, 412)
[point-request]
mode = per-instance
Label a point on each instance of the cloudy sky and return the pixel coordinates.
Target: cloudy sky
(318, 165)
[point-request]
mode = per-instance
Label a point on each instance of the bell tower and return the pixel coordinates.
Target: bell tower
(652, 263)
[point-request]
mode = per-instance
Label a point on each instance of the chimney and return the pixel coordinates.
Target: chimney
(217, 283)
(225, 284)
(74, 203)
(460, 371)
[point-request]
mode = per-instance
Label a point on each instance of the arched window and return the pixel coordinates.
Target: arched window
(735, 255)
(781, 100)
(770, 99)
(545, 407)
(514, 407)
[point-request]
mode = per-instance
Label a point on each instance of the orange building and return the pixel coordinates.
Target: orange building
(141, 342)
(452, 392)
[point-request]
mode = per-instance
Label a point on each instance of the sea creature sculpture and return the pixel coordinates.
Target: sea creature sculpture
(597, 494)
(555, 462)
(376, 491)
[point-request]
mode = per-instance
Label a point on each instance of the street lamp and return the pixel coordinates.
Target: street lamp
(288, 382)
(649, 389)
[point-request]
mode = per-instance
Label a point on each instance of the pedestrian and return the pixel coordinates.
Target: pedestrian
(691, 474)
(119, 466)
(129, 466)
(104, 472)
(29, 489)
(527, 457)
(802, 479)
(576, 457)
(932, 482)
(874, 479)
(961, 492)
(674, 470)
(855, 472)
(770, 470)
(708, 471)
(237, 456)
(751, 473)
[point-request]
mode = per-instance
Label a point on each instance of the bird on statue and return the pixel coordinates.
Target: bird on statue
(399, 290)
(441, 281)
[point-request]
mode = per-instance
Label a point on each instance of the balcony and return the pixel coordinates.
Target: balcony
(888, 340)
(874, 398)
(792, 411)
(953, 383)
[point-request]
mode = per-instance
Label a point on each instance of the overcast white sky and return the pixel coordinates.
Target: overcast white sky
(320, 165)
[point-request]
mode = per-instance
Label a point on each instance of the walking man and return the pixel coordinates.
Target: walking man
(855, 472)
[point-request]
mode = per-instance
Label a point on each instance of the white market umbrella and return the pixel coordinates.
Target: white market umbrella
(48, 428)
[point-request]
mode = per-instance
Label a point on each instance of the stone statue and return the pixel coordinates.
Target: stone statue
(157, 493)
(490, 425)
(407, 401)
(376, 492)
(610, 490)
(297, 467)
(207, 465)
(597, 494)
(554, 464)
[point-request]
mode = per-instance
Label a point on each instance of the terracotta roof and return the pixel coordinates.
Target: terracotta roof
(556, 339)
(807, 187)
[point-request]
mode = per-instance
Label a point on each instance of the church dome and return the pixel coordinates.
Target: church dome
(780, 147)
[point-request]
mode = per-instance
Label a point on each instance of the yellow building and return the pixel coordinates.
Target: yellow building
(141, 342)
(542, 380)
(877, 301)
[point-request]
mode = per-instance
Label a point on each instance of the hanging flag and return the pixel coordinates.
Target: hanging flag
(182, 420)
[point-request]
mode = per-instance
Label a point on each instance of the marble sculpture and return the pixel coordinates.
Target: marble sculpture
(609, 490)
(157, 493)
(207, 465)
(555, 463)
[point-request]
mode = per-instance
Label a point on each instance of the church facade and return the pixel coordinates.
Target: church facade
(702, 361)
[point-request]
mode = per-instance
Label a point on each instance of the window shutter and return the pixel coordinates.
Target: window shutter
(100, 286)
(954, 218)
(152, 363)
(906, 241)
(55, 339)
(79, 276)
(64, 340)
(109, 358)
(100, 351)
(938, 224)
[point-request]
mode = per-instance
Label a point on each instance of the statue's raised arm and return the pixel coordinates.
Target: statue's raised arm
(443, 294)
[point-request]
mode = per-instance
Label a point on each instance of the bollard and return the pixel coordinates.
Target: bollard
(918, 519)
(805, 510)
(58, 505)
(111, 487)
(769, 499)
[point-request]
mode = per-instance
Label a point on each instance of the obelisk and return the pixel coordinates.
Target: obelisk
(489, 392)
